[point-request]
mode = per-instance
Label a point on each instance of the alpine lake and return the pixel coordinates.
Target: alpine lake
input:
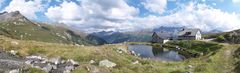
(156, 53)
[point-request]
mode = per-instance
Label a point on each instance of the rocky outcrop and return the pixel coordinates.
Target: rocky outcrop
(10, 62)
(52, 65)
(16, 15)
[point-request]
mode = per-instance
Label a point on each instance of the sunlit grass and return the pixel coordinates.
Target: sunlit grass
(221, 62)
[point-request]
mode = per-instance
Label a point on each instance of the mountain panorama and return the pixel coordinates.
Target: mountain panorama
(119, 36)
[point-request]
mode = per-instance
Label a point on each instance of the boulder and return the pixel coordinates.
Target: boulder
(52, 65)
(29, 62)
(14, 71)
(34, 58)
(92, 69)
(74, 63)
(55, 60)
(136, 62)
(66, 71)
(13, 52)
(40, 65)
(92, 61)
(190, 66)
(69, 68)
(121, 50)
(47, 68)
(107, 63)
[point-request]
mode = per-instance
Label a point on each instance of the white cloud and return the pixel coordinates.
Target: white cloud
(117, 15)
(66, 11)
(195, 16)
(236, 1)
(27, 8)
(155, 6)
(95, 14)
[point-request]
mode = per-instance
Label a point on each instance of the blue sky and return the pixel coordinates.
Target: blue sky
(130, 15)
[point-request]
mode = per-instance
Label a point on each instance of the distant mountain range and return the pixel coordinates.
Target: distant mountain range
(118, 37)
(136, 36)
(17, 26)
(168, 29)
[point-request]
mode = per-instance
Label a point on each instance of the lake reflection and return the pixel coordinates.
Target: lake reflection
(156, 53)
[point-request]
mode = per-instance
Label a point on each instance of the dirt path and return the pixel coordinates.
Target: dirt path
(227, 56)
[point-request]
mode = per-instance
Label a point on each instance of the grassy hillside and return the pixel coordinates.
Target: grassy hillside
(19, 27)
(194, 48)
(221, 62)
(119, 37)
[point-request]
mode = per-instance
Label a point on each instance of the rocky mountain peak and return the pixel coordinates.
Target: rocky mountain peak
(3, 13)
(16, 15)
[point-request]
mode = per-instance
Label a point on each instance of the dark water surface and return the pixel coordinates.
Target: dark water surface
(156, 53)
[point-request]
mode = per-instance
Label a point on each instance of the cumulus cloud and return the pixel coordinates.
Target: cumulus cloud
(27, 8)
(66, 11)
(111, 15)
(95, 14)
(195, 16)
(155, 6)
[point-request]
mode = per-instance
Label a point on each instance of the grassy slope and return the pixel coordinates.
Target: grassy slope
(40, 32)
(221, 62)
(23, 28)
(227, 37)
(237, 60)
(194, 48)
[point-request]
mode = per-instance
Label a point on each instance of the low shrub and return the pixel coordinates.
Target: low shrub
(220, 39)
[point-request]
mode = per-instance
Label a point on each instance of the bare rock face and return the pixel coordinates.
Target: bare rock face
(9, 63)
(9, 16)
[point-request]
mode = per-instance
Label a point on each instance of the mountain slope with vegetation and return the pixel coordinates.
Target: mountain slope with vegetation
(16, 26)
(120, 37)
(224, 60)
